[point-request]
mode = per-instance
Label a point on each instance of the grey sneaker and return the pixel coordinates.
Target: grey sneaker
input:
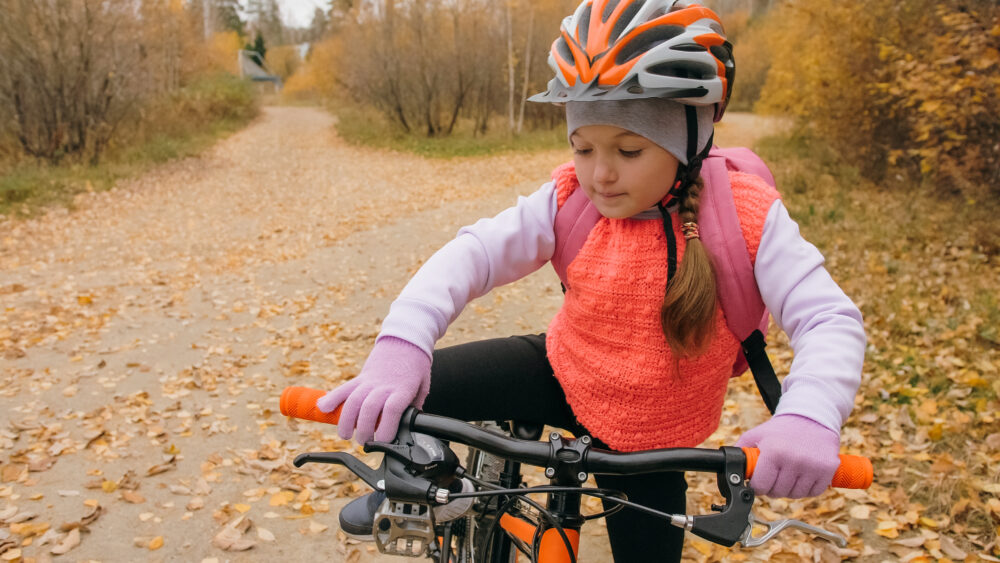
(357, 518)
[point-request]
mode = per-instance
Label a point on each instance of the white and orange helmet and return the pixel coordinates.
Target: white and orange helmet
(628, 49)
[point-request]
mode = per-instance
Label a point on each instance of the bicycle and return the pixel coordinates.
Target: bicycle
(420, 473)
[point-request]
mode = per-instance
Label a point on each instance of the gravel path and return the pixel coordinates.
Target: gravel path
(145, 337)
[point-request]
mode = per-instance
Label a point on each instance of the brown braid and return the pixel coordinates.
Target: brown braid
(688, 309)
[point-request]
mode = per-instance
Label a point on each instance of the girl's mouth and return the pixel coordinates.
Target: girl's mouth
(608, 196)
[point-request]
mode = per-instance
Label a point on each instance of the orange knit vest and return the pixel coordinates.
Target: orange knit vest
(606, 345)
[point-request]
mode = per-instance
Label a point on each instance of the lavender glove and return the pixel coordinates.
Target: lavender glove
(798, 456)
(396, 375)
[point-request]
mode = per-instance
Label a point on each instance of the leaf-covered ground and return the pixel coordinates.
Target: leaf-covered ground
(145, 337)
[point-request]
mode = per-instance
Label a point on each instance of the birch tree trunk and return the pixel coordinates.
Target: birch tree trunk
(510, 68)
(527, 66)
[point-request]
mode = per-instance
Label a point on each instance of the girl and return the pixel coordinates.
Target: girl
(639, 355)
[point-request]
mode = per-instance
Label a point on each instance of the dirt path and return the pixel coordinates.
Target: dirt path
(145, 337)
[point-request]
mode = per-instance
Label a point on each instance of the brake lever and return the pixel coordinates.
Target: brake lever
(773, 528)
(367, 474)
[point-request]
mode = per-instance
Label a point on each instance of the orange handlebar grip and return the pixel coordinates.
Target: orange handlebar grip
(300, 402)
(855, 471)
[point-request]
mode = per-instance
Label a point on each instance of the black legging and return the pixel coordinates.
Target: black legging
(511, 379)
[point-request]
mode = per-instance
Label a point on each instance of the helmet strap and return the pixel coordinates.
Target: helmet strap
(688, 173)
(668, 230)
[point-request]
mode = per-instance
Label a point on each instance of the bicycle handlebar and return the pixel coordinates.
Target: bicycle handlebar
(855, 472)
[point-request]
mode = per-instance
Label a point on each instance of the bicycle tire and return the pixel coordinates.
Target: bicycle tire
(485, 467)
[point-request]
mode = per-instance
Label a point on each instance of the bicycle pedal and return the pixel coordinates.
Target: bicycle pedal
(403, 528)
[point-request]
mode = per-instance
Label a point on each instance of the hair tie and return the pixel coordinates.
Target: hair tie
(689, 230)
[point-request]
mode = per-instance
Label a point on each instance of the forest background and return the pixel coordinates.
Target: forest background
(892, 165)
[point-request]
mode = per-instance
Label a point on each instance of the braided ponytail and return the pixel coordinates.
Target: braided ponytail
(688, 309)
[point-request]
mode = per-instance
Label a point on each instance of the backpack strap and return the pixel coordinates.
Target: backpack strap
(574, 221)
(740, 297)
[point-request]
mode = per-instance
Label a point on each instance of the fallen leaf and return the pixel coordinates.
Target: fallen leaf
(231, 540)
(171, 463)
(29, 528)
(132, 497)
(949, 548)
(265, 534)
(861, 511)
(156, 543)
(915, 541)
(282, 498)
(71, 540)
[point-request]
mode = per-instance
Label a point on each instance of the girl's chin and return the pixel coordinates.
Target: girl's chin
(622, 210)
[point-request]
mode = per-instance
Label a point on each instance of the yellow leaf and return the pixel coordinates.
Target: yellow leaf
(887, 529)
(282, 498)
(29, 528)
(928, 522)
(702, 547)
(242, 508)
(109, 486)
(928, 407)
(84, 299)
(936, 432)
(156, 543)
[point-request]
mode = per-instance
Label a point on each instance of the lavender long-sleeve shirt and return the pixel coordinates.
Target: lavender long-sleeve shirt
(824, 327)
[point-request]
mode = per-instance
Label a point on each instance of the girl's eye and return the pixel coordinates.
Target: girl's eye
(581, 151)
(630, 154)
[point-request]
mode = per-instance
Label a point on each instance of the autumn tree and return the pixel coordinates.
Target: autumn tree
(893, 84)
(427, 64)
(69, 74)
(75, 71)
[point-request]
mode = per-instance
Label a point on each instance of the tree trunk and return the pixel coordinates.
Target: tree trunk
(527, 67)
(510, 68)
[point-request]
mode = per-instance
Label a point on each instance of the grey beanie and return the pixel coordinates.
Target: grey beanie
(660, 120)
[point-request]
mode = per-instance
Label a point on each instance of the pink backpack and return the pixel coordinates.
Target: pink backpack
(720, 232)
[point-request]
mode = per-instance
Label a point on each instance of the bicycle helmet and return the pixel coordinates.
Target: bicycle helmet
(628, 49)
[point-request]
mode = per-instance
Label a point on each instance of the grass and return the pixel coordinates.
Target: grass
(186, 123)
(370, 128)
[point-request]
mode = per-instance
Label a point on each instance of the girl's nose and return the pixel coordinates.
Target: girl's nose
(604, 172)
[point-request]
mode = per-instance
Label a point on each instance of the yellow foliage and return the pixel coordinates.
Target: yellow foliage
(283, 60)
(222, 50)
(922, 94)
(318, 75)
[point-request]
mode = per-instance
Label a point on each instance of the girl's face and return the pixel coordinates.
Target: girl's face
(621, 172)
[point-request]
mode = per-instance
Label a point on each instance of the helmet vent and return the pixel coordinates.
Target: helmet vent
(608, 8)
(723, 54)
(646, 41)
(689, 48)
(682, 69)
(564, 50)
(630, 11)
(584, 25)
